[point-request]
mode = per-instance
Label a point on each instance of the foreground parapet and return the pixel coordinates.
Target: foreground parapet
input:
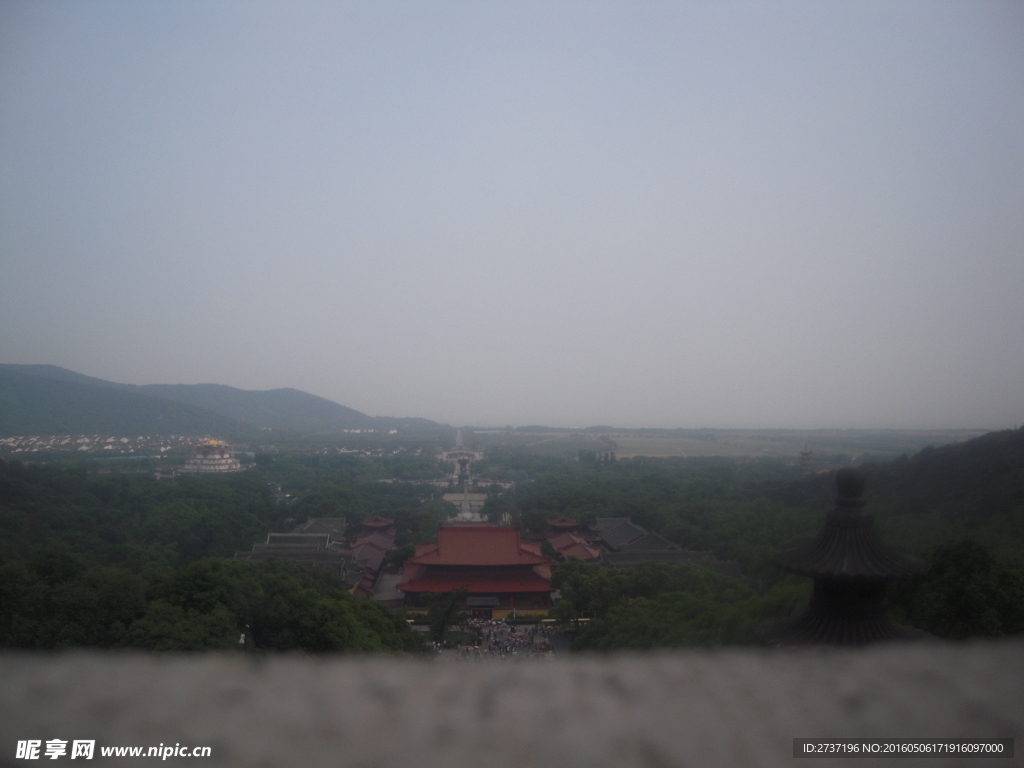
(851, 568)
(723, 709)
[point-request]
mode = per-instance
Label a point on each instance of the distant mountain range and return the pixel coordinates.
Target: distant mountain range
(46, 399)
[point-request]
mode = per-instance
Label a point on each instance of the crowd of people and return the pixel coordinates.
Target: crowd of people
(503, 641)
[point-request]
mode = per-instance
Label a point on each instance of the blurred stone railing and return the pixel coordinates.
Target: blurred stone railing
(700, 709)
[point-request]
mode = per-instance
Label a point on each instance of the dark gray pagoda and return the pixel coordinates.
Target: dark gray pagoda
(851, 568)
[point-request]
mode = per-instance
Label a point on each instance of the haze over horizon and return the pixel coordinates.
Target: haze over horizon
(792, 215)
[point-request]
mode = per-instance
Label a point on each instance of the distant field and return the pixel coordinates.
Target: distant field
(866, 444)
(682, 446)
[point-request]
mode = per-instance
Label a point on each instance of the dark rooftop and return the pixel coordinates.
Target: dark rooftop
(335, 526)
(618, 531)
(650, 542)
(315, 540)
(671, 557)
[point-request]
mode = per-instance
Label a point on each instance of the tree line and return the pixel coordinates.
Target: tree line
(118, 561)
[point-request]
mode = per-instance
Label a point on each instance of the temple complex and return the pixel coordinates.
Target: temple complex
(320, 541)
(562, 524)
(368, 553)
(212, 456)
(500, 574)
(332, 525)
(623, 544)
(569, 545)
(311, 549)
(376, 524)
(851, 568)
(564, 537)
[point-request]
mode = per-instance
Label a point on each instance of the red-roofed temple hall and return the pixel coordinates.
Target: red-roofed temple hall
(500, 573)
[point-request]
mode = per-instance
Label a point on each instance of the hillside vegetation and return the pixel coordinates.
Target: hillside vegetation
(127, 561)
(46, 399)
(960, 507)
(34, 405)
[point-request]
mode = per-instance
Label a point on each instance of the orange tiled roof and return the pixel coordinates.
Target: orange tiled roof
(532, 546)
(563, 540)
(498, 580)
(424, 546)
(478, 545)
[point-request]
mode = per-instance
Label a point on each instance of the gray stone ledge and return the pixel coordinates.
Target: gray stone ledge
(706, 709)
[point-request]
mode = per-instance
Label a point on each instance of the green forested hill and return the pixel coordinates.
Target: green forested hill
(287, 409)
(46, 399)
(746, 511)
(974, 488)
(975, 484)
(42, 405)
(960, 507)
(284, 409)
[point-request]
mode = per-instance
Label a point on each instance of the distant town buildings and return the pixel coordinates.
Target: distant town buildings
(104, 445)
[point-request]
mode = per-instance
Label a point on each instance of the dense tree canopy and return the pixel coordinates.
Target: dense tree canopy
(130, 519)
(124, 560)
(55, 600)
(967, 592)
(653, 605)
(127, 561)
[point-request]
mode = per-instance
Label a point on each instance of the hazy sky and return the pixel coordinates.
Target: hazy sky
(777, 214)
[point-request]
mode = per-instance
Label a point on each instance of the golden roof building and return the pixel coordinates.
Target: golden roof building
(212, 456)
